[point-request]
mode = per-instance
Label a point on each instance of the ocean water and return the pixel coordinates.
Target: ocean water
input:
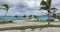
(9, 18)
(44, 17)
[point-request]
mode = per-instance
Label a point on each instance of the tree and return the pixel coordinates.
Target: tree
(46, 5)
(58, 16)
(54, 14)
(30, 16)
(6, 7)
(36, 17)
(16, 17)
(24, 16)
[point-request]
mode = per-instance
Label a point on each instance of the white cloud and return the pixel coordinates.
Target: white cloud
(29, 6)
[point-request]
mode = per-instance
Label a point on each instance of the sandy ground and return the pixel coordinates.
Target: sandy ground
(49, 29)
(26, 24)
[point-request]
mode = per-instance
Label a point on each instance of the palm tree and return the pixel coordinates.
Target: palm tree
(24, 16)
(36, 17)
(6, 7)
(54, 15)
(30, 17)
(16, 17)
(46, 5)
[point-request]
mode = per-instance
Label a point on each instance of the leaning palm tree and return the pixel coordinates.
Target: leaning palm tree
(46, 5)
(6, 7)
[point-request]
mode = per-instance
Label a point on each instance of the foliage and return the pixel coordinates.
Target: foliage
(45, 4)
(24, 16)
(54, 14)
(58, 17)
(50, 20)
(16, 16)
(6, 6)
(30, 16)
(35, 16)
(5, 22)
(10, 21)
(32, 21)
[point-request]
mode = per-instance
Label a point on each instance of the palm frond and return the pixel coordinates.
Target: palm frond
(54, 9)
(44, 5)
(43, 2)
(6, 6)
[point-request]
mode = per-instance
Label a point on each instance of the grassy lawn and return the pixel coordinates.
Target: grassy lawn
(26, 27)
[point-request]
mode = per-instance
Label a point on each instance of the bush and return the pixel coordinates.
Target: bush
(51, 20)
(58, 17)
(10, 21)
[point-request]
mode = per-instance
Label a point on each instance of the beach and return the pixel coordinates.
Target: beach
(27, 24)
(49, 29)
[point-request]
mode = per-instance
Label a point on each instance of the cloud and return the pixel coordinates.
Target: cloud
(21, 7)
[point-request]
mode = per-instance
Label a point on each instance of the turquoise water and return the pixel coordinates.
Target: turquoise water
(44, 18)
(8, 18)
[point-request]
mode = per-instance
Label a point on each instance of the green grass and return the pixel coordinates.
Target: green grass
(38, 21)
(32, 21)
(26, 27)
(6, 22)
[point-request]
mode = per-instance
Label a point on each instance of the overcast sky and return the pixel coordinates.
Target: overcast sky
(26, 7)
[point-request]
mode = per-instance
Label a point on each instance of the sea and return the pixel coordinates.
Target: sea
(9, 18)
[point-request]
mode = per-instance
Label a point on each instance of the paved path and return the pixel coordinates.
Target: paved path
(26, 24)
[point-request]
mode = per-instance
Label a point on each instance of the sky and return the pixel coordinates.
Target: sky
(26, 7)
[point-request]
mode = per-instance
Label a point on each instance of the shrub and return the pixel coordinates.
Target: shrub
(51, 20)
(10, 21)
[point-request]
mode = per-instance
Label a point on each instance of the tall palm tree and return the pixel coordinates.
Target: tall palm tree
(46, 5)
(6, 7)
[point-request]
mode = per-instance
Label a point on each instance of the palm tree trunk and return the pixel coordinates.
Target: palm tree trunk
(48, 17)
(5, 16)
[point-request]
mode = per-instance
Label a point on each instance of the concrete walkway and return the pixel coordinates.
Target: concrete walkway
(26, 24)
